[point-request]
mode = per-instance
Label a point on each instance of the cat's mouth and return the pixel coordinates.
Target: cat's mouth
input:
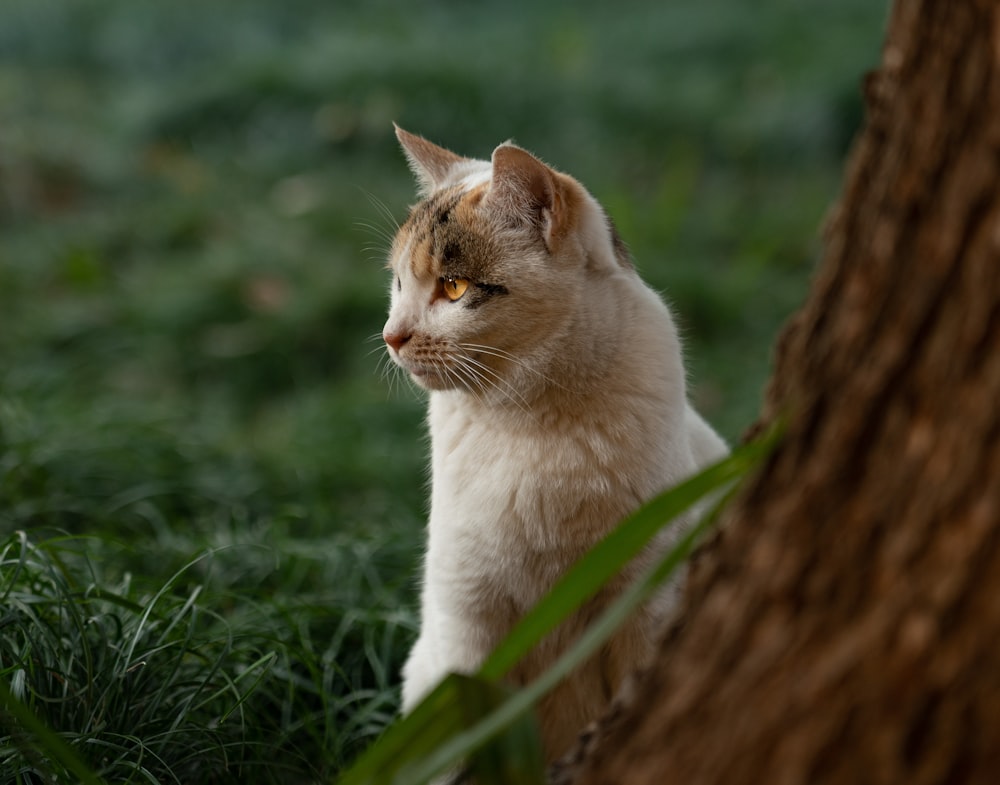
(433, 378)
(448, 371)
(429, 376)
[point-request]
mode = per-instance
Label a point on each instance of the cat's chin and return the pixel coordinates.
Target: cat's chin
(433, 381)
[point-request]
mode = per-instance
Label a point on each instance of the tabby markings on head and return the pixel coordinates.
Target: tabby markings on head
(445, 244)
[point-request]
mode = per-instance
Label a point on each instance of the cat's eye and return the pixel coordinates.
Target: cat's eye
(454, 288)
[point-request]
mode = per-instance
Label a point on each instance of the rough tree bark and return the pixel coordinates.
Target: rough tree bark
(844, 627)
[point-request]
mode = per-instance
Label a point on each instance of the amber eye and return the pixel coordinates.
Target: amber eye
(454, 288)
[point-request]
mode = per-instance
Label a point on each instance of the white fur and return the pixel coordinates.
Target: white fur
(546, 456)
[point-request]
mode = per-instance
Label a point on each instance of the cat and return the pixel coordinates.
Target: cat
(557, 407)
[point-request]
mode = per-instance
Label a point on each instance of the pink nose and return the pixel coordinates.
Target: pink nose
(396, 340)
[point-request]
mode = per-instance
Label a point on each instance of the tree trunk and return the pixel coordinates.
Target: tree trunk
(845, 625)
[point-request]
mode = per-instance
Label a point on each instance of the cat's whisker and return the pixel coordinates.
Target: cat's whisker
(469, 373)
(470, 380)
(385, 232)
(503, 355)
(381, 233)
(495, 378)
(475, 373)
(464, 377)
(374, 252)
(480, 389)
(379, 347)
(386, 375)
(497, 381)
(388, 370)
(396, 374)
(382, 208)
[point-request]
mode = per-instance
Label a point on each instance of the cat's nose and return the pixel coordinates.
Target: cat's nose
(396, 340)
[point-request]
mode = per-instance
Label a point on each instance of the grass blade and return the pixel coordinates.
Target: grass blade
(431, 723)
(16, 713)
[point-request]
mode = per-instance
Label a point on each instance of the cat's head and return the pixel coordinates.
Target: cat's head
(489, 269)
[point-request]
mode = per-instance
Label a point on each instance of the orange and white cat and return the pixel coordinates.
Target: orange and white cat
(557, 406)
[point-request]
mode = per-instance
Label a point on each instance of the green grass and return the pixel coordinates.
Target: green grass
(183, 684)
(195, 441)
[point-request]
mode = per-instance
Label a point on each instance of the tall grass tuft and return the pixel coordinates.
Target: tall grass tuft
(131, 685)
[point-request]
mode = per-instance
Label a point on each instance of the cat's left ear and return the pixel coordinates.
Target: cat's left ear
(527, 189)
(431, 164)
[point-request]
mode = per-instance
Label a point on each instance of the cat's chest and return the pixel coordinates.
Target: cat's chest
(513, 482)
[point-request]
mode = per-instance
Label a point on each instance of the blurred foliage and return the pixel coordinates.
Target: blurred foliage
(193, 221)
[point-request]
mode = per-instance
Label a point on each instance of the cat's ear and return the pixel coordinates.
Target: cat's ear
(524, 187)
(431, 164)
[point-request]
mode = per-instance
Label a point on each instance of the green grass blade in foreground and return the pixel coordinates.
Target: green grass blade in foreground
(473, 741)
(513, 755)
(608, 557)
(434, 720)
(458, 702)
(45, 739)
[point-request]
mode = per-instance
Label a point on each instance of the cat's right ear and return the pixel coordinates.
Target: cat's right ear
(431, 164)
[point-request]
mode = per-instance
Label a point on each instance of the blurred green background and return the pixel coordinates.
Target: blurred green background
(191, 264)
